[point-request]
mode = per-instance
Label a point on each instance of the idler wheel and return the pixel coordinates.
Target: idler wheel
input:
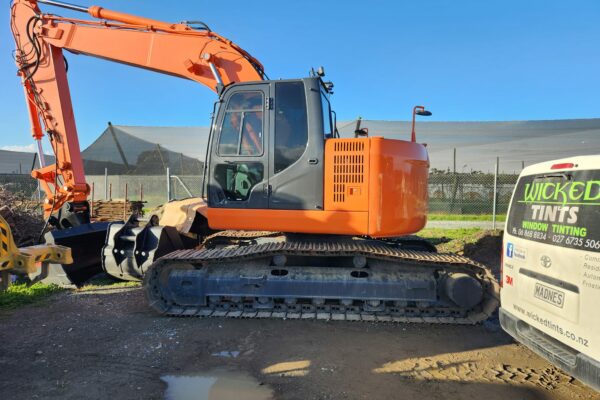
(464, 290)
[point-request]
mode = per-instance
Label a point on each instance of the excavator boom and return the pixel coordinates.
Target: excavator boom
(197, 54)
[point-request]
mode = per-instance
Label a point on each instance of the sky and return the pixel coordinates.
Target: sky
(464, 60)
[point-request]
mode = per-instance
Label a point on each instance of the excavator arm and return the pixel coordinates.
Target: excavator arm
(181, 49)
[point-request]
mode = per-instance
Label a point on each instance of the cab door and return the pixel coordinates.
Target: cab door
(297, 145)
(239, 162)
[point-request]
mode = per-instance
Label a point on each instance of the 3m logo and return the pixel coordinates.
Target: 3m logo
(510, 248)
(509, 280)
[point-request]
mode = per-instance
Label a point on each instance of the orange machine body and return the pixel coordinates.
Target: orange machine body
(373, 186)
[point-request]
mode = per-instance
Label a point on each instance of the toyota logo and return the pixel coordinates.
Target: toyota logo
(545, 261)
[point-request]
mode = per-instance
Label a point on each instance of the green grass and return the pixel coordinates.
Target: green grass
(465, 217)
(449, 234)
(19, 294)
(105, 282)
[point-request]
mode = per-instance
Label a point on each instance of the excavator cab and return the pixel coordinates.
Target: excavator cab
(267, 146)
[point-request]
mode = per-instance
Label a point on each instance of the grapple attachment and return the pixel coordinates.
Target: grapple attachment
(131, 248)
(26, 260)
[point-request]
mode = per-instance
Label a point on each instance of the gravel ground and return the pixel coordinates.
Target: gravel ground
(107, 344)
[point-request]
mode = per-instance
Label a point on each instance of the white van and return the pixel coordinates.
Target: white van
(550, 296)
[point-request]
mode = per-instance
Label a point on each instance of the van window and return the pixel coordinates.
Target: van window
(559, 208)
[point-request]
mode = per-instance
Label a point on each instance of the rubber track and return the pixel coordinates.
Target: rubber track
(382, 251)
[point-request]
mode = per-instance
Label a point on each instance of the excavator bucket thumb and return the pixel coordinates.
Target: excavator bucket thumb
(26, 260)
(86, 242)
(132, 247)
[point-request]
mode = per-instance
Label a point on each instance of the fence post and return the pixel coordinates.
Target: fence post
(454, 193)
(105, 183)
(168, 184)
(454, 162)
(495, 193)
(92, 201)
(125, 203)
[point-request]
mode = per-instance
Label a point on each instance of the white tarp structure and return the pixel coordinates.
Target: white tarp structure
(19, 162)
(479, 143)
(148, 150)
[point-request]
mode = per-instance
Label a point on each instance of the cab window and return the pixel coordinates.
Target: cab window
(327, 126)
(237, 179)
(242, 128)
(291, 126)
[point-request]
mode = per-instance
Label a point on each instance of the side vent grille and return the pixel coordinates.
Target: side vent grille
(348, 167)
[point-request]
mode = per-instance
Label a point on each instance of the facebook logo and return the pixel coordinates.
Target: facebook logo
(509, 250)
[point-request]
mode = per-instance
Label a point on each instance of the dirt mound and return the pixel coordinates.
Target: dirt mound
(23, 215)
(487, 250)
(484, 247)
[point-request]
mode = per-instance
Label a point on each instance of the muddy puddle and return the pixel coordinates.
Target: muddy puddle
(215, 385)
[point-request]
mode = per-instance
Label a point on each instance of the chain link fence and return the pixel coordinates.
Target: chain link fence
(449, 193)
(153, 189)
(474, 193)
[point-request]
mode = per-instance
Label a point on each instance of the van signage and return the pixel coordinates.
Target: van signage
(520, 254)
(510, 248)
(558, 209)
(565, 193)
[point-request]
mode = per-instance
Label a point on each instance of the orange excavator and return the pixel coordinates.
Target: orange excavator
(294, 221)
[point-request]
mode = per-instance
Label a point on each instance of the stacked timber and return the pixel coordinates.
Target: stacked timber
(116, 210)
